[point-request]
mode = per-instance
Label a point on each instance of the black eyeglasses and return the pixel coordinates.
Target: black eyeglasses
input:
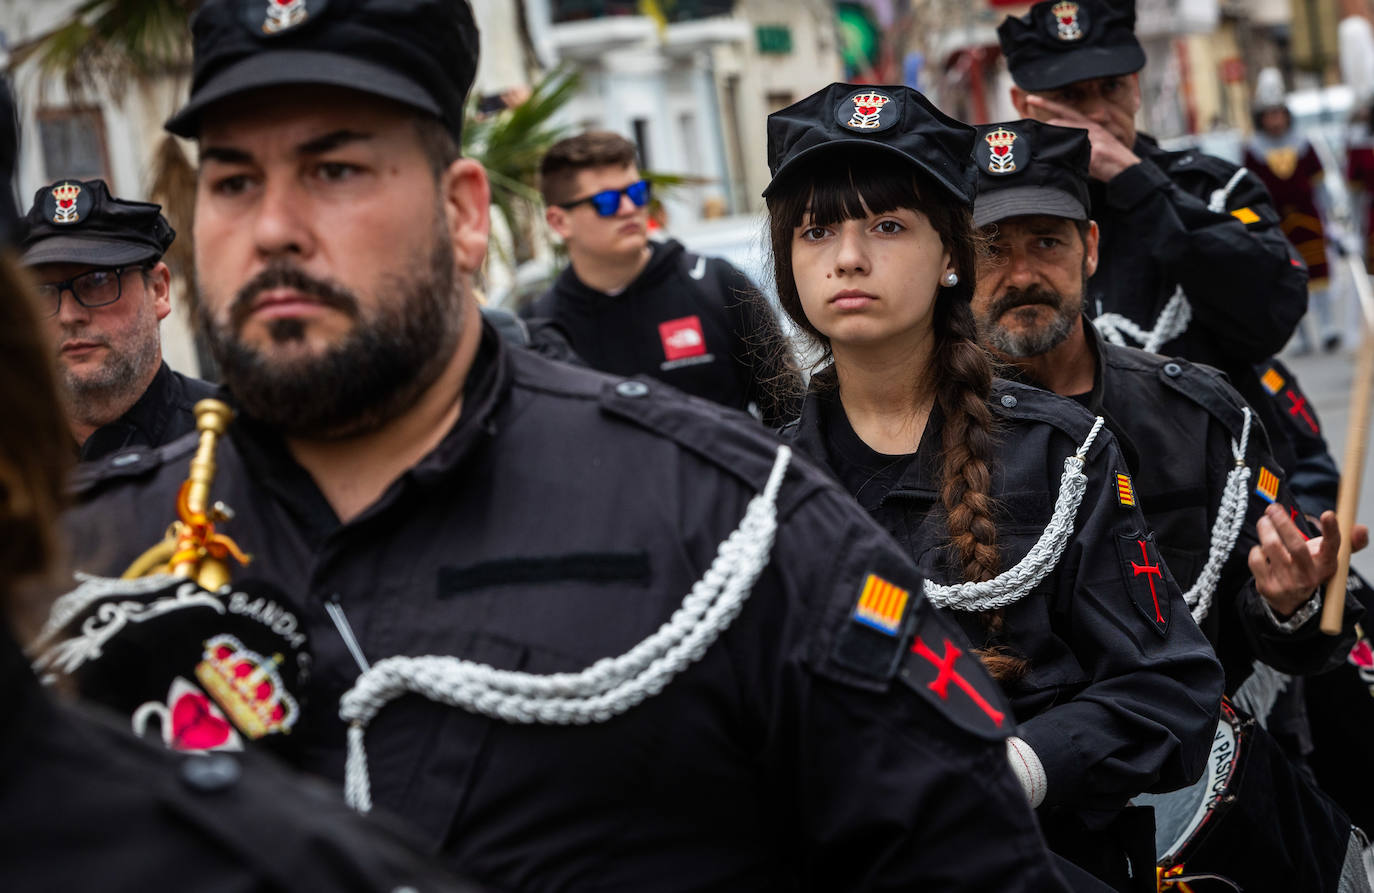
(607, 203)
(97, 288)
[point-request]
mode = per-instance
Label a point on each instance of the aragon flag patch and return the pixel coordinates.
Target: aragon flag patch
(1125, 493)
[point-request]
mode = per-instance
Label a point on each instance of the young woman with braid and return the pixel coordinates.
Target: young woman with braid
(1113, 686)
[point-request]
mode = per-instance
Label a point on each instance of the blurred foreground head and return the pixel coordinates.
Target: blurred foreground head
(35, 446)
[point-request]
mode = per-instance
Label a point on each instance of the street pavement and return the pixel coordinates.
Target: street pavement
(1326, 378)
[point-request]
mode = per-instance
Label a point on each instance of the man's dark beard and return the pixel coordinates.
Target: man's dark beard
(376, 373)
(1033, 342)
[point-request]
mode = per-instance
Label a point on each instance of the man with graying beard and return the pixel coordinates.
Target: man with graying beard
(97, 262)
(1200, 470)
(1193, 262)
(579, 631)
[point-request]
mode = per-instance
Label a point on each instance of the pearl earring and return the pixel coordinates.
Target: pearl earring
(950, 279)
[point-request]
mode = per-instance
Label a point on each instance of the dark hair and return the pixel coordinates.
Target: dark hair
(567, 158)
(824, 194)
(35, 450)
(439, 146)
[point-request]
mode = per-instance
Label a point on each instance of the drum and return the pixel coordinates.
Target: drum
(1252, 822)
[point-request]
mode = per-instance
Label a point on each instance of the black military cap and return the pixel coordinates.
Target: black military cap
(421, 53)
(79, 222)
(897, 120)
(1059, 42)
(1026, 167)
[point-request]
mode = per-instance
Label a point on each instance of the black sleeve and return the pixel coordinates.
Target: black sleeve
(772, 381)
(1305, 650)
(900, 776)
(1313, 476)
(1245, 284)
(1146, 717)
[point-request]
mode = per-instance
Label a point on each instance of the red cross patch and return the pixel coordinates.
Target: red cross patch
(682, 338)
(1299, 409)
(939, 668)
(1147, 579)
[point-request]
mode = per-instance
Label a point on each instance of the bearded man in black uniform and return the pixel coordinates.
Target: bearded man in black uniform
(1200, 467)
(1193, 263)
(103, 290)
(83, 804)
(469, 532)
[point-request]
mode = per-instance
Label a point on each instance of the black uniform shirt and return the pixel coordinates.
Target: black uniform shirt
(86, 806)
(161, 415)
(1176, 422)
(692, 321)
(1115, 703)
(1247, 288)
(562, 521)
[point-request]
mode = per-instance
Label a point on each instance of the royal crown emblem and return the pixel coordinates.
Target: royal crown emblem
(64, 197)
(868, 110)
(1066, 20)
(247, 686)
(1001, 158)
(283, 14)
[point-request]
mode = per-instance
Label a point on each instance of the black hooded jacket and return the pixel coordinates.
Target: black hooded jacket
(694, 322)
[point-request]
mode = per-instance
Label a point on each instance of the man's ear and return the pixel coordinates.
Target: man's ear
(557, 219)
(467, 209)
(160, 284)
(1090, 249)
(1018, 102)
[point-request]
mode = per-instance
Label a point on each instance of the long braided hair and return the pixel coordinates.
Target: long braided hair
(960, 369)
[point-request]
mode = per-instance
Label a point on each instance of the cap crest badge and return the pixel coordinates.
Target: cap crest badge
(1001, 158)
(864, 111)
(1067, 26)
(65, 207)
(284, 14)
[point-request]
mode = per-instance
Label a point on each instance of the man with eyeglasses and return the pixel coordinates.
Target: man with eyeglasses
(97, 262)
(631, 306)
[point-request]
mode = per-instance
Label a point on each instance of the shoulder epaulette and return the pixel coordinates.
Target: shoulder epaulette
(1017, 400)
(1208, 388)
(130, 463)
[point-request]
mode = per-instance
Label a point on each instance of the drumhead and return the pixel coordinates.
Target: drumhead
(1181, 814)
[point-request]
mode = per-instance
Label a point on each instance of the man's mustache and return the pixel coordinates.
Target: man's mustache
(282, 276)
(1016, 297)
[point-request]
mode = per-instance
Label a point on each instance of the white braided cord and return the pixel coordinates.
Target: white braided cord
(1014, 584)
(1226, 528)
(607, 688)
(1174, 319)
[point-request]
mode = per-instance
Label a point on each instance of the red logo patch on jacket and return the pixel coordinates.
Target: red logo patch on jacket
(682, 338)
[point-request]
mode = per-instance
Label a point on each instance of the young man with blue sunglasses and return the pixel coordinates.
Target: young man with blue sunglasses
(631, 306)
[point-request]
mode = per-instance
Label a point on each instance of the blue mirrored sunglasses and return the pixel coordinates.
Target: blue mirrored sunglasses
(607, 203)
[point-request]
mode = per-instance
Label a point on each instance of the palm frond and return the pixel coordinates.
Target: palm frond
(105, 43)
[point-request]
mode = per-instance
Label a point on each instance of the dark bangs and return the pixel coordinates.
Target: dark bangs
(836, 190)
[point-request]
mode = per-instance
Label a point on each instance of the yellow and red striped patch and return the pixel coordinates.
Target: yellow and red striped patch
(1125, 493)
(1268, 485)
(881, 605)
(1273, 382)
